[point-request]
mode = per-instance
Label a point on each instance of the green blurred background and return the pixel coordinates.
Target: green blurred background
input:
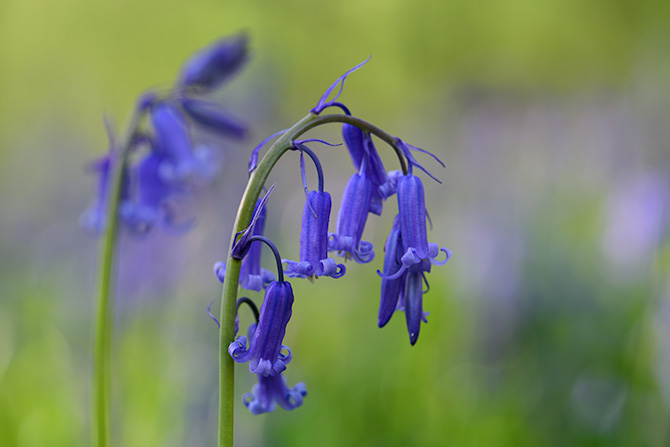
(549, 327)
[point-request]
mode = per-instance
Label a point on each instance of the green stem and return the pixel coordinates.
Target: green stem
(244, 214)
(103, 333)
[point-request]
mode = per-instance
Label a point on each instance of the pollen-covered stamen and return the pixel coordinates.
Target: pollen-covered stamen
(323, 102)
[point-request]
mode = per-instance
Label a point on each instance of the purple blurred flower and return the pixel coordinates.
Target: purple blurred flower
(210, 67)
(314, 260)
(264, 352)
(211, 116)
(151, 203)
(351, 221)
(181, 162)
(272, 390)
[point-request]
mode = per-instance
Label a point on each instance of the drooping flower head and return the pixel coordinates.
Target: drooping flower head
(272, 390)
(351, 221)
(409, 256)
(264, 353)
(213, 65)
(314, 260)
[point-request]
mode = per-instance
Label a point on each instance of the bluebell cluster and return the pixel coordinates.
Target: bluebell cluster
(408, 258)
(165, 163)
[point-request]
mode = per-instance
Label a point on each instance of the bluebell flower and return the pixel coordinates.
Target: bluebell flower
(272, 390)
(252, 275)
(264, 352)
(153, 200)
(181, 160)
(213, 65)
(314, 260)
(211, 116)
(364, 155)
(412, 212)
(351, 221)
(392, 290)
(408, 258)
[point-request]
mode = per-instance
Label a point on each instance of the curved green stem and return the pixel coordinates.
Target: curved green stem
(103, 333)
(244, 214)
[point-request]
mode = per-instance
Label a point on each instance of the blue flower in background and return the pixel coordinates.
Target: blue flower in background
(153, 201)
(272, 390)
(181, 161)
(210, 67)
(211, 116)
(314, 260)
(264, 352)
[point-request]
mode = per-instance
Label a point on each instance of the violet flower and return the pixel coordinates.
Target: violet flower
(363, 152)
(264, 352)
(211, 116)
(272, 390)
(408, 258)
(314, 260)
(213, 65)
(181, 161)
(151, 202)
(351, 221)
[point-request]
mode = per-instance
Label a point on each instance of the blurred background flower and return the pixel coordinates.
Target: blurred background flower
(549, 325)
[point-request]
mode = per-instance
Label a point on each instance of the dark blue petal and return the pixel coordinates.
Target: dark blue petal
(414, 304)
(211, 66)
(391, 289)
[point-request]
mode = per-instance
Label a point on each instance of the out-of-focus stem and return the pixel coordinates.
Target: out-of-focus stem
(103, 331)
